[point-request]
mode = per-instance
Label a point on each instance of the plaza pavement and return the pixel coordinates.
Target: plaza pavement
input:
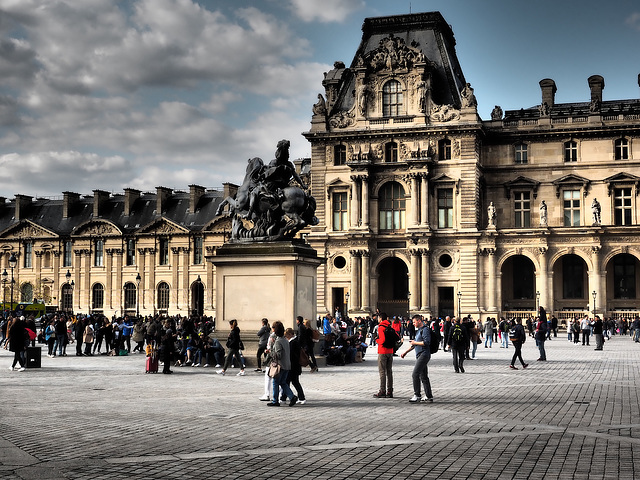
(573, 417)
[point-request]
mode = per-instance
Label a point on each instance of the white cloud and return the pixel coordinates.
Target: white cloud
(633, 20)
(326, 10)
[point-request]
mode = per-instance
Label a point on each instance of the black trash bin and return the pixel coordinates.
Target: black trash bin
(34, 357)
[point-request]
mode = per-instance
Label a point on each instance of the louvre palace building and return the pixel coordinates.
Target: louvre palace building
(423, 206)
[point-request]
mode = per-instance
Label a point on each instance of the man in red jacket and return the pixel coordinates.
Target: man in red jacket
(385, 360)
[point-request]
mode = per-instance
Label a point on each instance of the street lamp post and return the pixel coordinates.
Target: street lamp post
(72, 285)
(459, 305)
(199, 296)
(5, 275)
(138, 280)
(346, 305)
(594, 294)
(13, 262)
(409, 304)
(537, 302)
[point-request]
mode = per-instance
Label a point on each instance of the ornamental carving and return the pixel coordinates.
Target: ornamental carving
(342, 120)
(99, 229)
(29, 231)
(444, 113)
(391, 54)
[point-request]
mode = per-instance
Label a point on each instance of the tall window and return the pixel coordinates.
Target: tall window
(445, 208)
(624, 276)
(444, 149)
(66, 254)
(392, 207)
(28, 254)
(571, 208)
(131, 252)
(163, 247)
(130, 296)
(622, 206)
(67, 298)
(98, 259)
(521, 153)
(26, 293)
(340, 218)
(392, 99)
(339, 155)
(163, 296)
(97, 297)
(572, 277)
(391, 152)
(570, 151)
(622, 149)
(197, 250)
(522, 208)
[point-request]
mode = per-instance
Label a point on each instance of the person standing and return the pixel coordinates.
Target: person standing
(421, 344)
(447, 329)
(457, 341)
(385, 360)
(88, 336)
(488, 333)
(281, 355)
(518, 337)
(233, 344)
(18, 340)
(585, 326)
(598, 333)
(263, 337)
(168, 347)
(541, 334)
(305, 337)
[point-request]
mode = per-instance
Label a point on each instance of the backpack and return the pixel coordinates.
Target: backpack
(456, 334)
(435, 341)
(513, 335)
(391, 338)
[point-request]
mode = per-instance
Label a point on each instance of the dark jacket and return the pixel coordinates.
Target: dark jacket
(294, 351)
(462, 343)
(233, 340)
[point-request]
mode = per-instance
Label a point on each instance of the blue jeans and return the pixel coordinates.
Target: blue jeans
(505, 339)
(281, 381)
(421, 375)
(488, 338)
(59, 344)
(543, 354)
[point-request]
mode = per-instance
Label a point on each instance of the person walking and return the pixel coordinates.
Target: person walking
(234, 346)
(281, 356)
(263, 337)
(421, 344)
(385, 360)
(541, 333)
(518, 337)
(18, 340)
(296, 369)
(457, 341)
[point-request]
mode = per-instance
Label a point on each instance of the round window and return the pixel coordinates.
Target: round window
(339, 262)
(445, 260)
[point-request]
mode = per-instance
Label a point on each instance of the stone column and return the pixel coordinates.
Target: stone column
(424, 201)
(355, 202)
(491, 291)
(142, 260)
(542, 282)
(414, 281)
(365, 205)
(366, 281)
(151, 279)
(424, 288)
(596, 281)
(184, 267)
(356, 261)
(415, 214)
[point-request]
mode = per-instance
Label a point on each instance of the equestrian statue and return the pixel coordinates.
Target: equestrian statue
(267, 206)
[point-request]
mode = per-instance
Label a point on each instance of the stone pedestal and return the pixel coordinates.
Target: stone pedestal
(276, 280)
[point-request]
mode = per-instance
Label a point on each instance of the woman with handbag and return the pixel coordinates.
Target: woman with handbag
(234, 344)
(280, 366)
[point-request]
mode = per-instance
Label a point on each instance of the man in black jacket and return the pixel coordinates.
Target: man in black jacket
(458, 339)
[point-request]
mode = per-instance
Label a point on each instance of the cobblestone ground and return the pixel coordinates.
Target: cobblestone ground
(573, 417)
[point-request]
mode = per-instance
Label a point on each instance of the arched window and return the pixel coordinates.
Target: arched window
(622, 149)
(163, 296)
(392, 207)
(391, 152)
(26, 293)
(97, 297)
(130, 296)
(392, 99)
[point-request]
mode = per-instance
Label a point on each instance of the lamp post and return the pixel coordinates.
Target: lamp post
(5, 275)
(537, 302)
(459, 305)
(72, 285)
(594, 294)
(199, 296)
(138, 280)
(13, 262)
(408, 303)
(346, 305)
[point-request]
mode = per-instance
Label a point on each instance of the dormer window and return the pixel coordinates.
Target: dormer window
(392, 99)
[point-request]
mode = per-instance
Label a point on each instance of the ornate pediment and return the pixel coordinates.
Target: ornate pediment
(163, 226)
(27, 229)
(521, 183)
(622, 179)
(219, 225)
(572, 181)
(96, 228)
(392, 54)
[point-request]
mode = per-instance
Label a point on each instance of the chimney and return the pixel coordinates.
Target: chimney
(100, 197)
(22, 203)
(549, 89)
(161, 197)
(195, 192)
(596, 84)
(69, 200)
(130, 196)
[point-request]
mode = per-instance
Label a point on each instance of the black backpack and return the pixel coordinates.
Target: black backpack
(435, 340)
(391, 337)
(457, 335)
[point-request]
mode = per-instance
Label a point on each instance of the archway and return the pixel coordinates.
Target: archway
(197, 297)
(519, 284)
(570, 283)
(393, 287)
(623, 282)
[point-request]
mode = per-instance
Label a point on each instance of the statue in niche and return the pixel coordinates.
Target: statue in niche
(363, 97)
(543, 214)
(421, 95)
(491, 214)
(595, 211)
(276, 209)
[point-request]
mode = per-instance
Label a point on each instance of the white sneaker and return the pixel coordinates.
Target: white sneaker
(21, 369)
(264, 398)
(205, 365)
(218, 366)
(241, 373)
(197, 365)
(301, 402)
(425, 399)
(220, 372)
(415, 399)
(11, 368)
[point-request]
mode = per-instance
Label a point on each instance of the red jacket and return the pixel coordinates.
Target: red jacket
(381, 331)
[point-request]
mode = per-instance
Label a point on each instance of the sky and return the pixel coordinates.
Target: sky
(115, 94)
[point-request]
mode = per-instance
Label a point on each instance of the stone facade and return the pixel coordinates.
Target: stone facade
(425, 207)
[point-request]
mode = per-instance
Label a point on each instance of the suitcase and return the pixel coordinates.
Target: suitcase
(34, 357)
(152, 364)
